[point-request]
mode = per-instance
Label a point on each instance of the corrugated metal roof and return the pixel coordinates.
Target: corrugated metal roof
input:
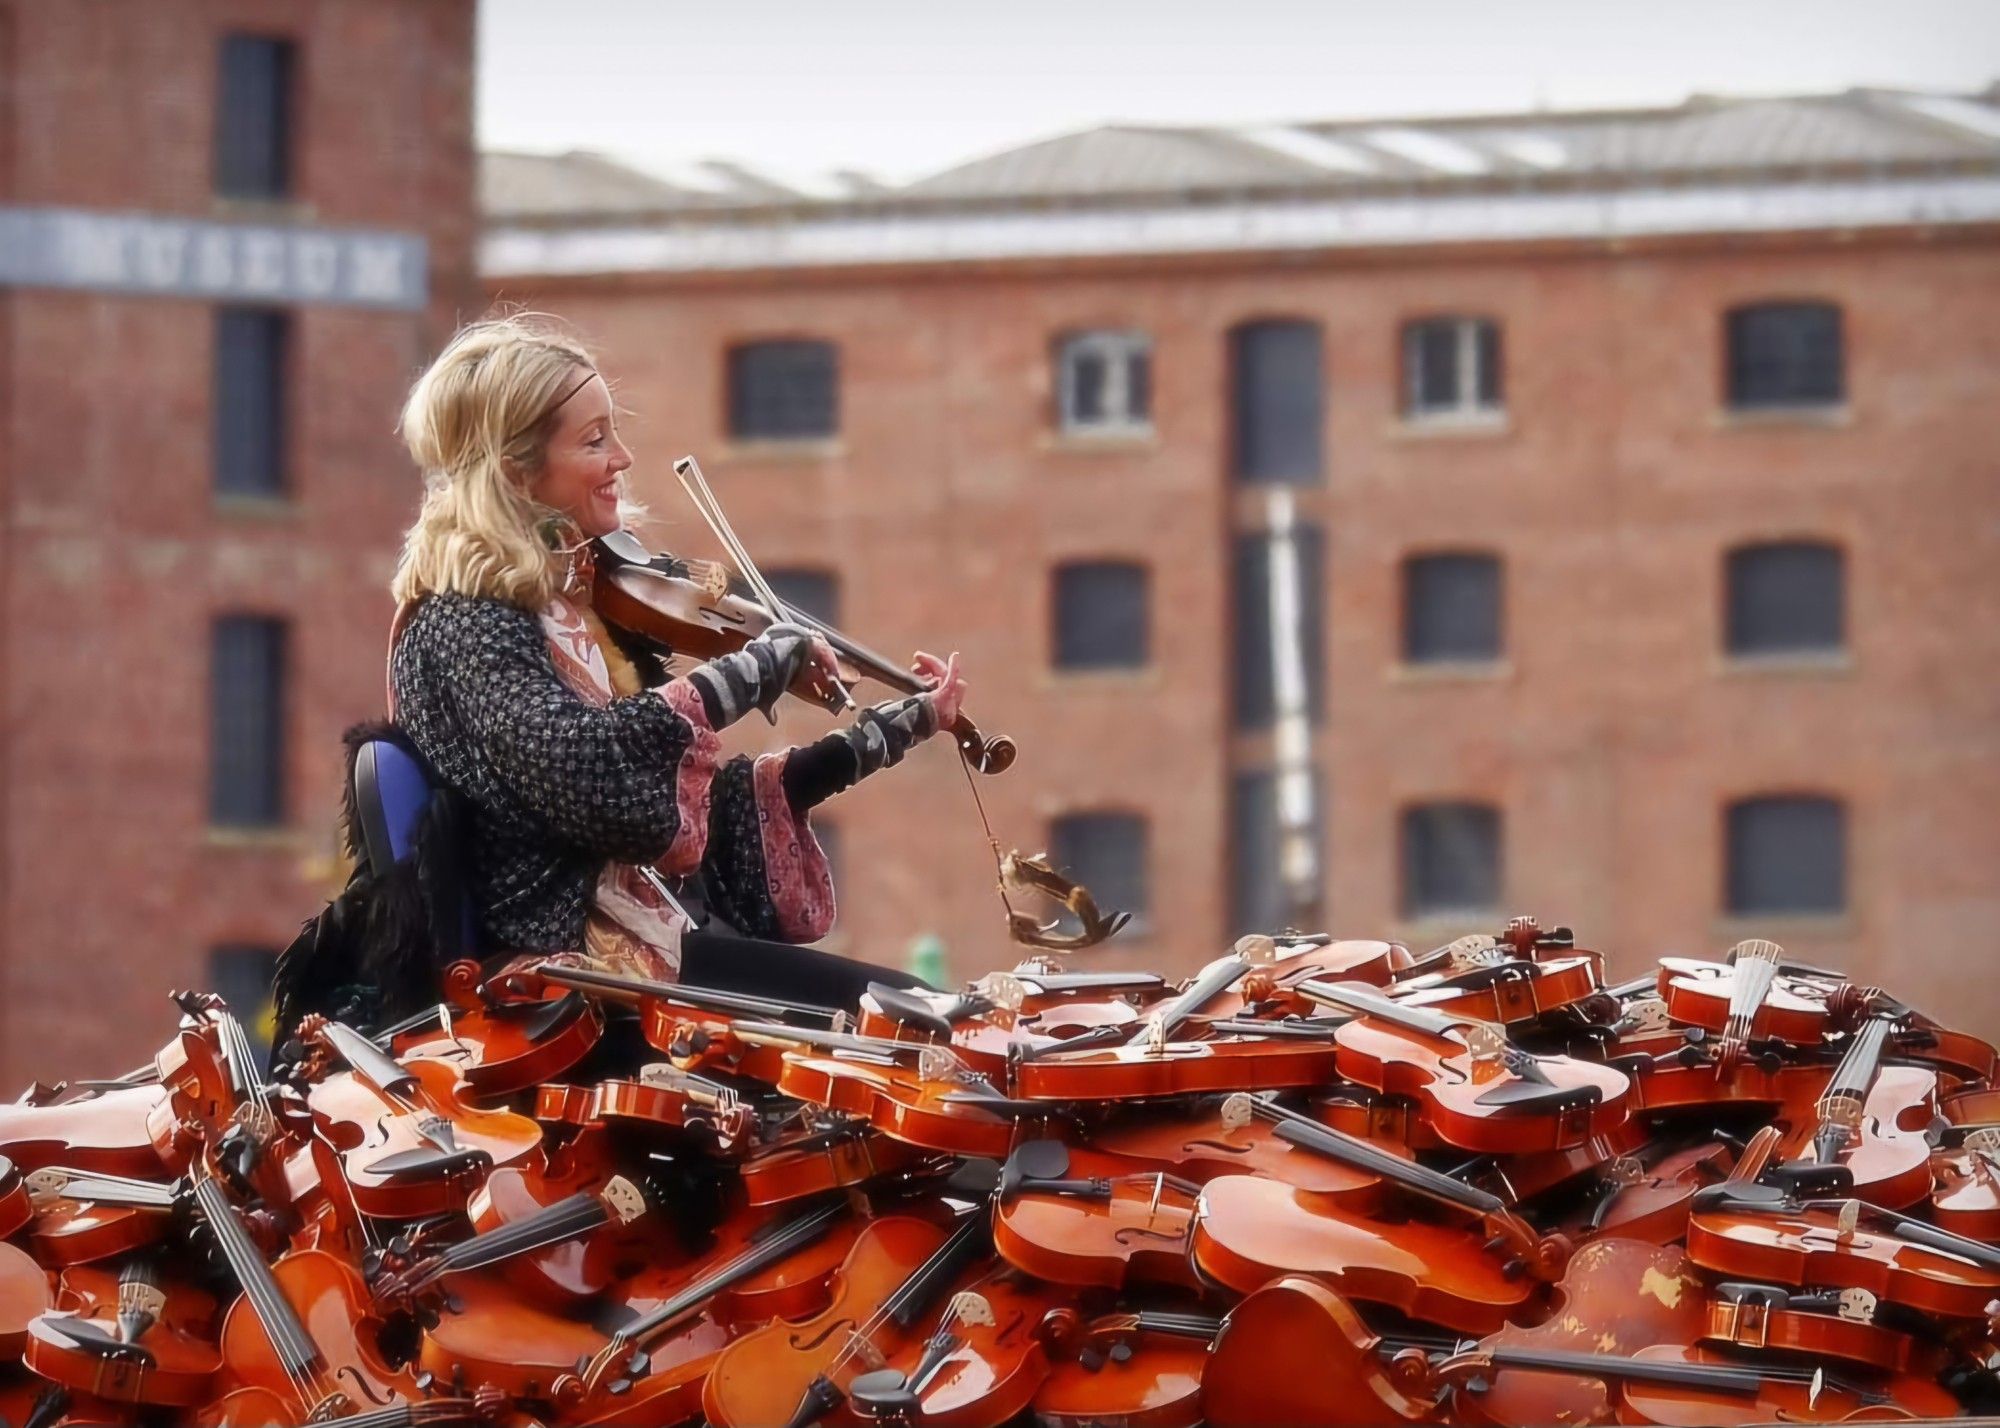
(1888, 130)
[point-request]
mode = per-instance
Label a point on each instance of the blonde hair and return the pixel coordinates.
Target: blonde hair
(478, 423)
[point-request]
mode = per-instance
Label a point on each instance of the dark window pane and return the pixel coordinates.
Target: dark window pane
(1430, 357)
(783, 391)
(253, 118)
(1785, 599)
(1254, 695)
(1256, 851)
(241, 976)
(1785, 354)
(1787, 855)
(246, 722)
(1086, 378)
(248, 417)
(1106, 852)
(1451, 858)
(1139, 386)
(815, 592)
(1488, 348)
(1101, 616)
(1451, 608)
(1276, 402)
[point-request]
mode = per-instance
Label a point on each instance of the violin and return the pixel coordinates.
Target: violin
(216, 1087)
(408, 1138)
(1867, 1134)
(1474, 1087)
(1755, 995)
(79, 1216)
(811, 1162)
(130, 1337)
(1277, 967)
(24, 1294)
(670, 1322)
(1965, 1197)
(631, 591)
(1743, 1228)
(1248, 1231)
(106, 1131)
(544, 1228)
(795, 1373)
(1295, 1352)
(988, 1034)
(1142, 1368)
(1236, 1056)
(1506, 990)
(502, 1047)
(1833, 1323)
(663, 1096)
(982, 1362)
(1093, 1226)
(1647, 1195)
(304, 1330)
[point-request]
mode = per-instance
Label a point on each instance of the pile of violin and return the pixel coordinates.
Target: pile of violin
(1320, 1182)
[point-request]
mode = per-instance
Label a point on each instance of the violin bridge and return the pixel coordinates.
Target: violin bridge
(1857, 1306)
(936, 1064)
(970, 1307)
(1156, 1037)
(1257, 949)
(1237, 1111)
(1006, 991)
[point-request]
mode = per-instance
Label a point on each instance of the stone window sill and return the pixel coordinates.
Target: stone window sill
(1103, 441)
(240, 506)
(1470, 425)
(804, 450)
(1817, 415)
(274, 839)
(1805, 663)
(1483, 671)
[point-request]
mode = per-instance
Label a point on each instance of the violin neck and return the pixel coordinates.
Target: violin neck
(1309, 1134)
(566, 1219)
(1363, 1001)
(369, 1061)
(787, 1239)
(1726, 1378)
(289, 1338)
(1205, 988)
(907, 1303)
(698, 998)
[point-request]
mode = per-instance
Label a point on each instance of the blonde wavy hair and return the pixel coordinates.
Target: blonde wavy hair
(478, 424)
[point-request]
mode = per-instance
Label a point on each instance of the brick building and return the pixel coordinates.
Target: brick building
(1638, 466)
(230, 232)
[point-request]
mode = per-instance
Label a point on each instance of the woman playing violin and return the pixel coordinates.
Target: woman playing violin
(576, 761)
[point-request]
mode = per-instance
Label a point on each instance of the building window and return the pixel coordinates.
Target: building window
(253, 118)
(1451, 367)
(1101, 619)
(1253, 686)
(811, 592)
(246, 722)
(241, 976)
(248, 418)
(1451, 609)
(1257, 899)
(1787, 855)
(1104, 383)
(1786, 354)
(1277, 402)
(1106, 852)
(1786, 599)
(784, 391)
(1451, 859)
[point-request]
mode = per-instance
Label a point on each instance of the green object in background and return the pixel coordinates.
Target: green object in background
(926, 960)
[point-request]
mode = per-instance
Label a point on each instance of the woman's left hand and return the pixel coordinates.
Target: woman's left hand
(947, 685)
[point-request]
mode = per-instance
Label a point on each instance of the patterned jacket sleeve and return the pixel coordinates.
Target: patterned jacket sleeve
(608, 780)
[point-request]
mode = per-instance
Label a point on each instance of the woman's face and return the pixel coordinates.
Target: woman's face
(580, 474)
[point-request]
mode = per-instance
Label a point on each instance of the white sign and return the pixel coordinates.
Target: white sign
(228, 262)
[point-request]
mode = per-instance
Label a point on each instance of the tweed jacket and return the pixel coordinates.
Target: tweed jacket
(556, 786)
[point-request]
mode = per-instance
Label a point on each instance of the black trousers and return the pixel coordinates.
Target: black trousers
(728, 962)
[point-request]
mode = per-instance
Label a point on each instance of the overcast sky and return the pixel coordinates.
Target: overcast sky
(901, 88)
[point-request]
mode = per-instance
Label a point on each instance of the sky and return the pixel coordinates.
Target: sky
(902, 88)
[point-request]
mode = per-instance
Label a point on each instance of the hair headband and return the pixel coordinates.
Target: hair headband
(557, 405)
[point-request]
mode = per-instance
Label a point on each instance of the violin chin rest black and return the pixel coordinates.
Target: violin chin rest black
(1519, 1092)
(908, 1009)
(881, 1393)
(88, 1336)
(426, 1163)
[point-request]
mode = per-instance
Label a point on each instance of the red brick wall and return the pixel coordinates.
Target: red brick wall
(1615, 732)
(118, 555)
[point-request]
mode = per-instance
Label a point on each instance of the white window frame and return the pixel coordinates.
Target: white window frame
(1115, 347)
(1469, 408)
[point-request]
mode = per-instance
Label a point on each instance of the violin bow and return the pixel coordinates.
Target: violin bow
(688, 471)
(1017, 872)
